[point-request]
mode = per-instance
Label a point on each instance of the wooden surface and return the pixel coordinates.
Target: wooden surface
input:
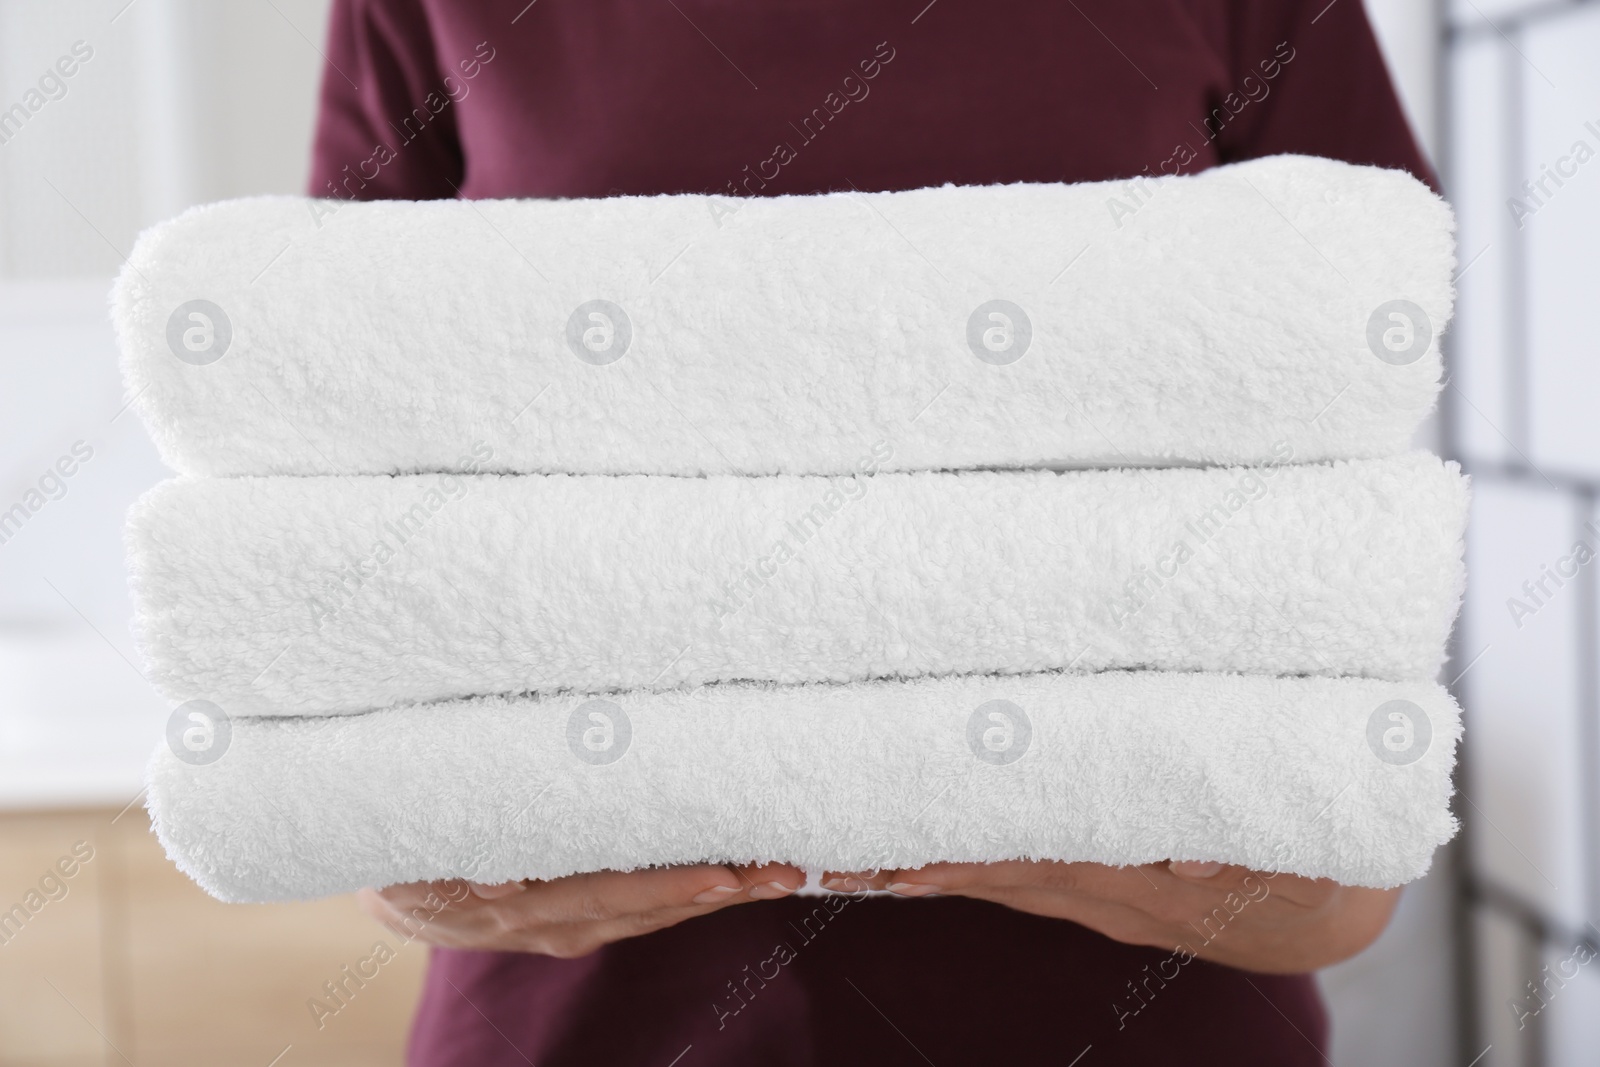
(131, 963)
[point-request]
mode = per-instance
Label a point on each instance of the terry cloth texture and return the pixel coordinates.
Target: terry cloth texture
(974, 327)
(305, 596)
(1314, 776)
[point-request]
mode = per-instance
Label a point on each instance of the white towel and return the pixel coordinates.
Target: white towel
(300, 596)
(1186, 319)
(1339, 778)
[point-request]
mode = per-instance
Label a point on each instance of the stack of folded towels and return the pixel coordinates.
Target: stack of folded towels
(514, 539)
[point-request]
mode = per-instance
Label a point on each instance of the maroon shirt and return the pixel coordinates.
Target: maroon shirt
(500, 98)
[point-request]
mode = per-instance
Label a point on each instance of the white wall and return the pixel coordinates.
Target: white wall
(183, 101)
(177, 102)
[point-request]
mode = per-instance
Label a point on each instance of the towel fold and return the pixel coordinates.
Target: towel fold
(300, 596)
(1339, 778)
(1196, 319)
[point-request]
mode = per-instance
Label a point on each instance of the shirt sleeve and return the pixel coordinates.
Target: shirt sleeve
(1327, 91)
(377, 137)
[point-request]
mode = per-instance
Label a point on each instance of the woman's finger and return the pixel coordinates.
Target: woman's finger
(1148, 885)
(770, 881)
(856, 881)
(603, 895)
(1194, 870)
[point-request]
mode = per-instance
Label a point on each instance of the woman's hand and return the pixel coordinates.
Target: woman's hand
(1276, 923)
(569, 917)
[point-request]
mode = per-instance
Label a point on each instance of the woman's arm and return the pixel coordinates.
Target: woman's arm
(1328, 94)
(377, 138)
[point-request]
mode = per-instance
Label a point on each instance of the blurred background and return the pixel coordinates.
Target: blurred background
(1493, 957)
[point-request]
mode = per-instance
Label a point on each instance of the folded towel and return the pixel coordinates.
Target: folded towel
(1173, 320)
(300, 596)
(1340, 778)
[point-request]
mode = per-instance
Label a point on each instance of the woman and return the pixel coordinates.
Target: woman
(1015, 963)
